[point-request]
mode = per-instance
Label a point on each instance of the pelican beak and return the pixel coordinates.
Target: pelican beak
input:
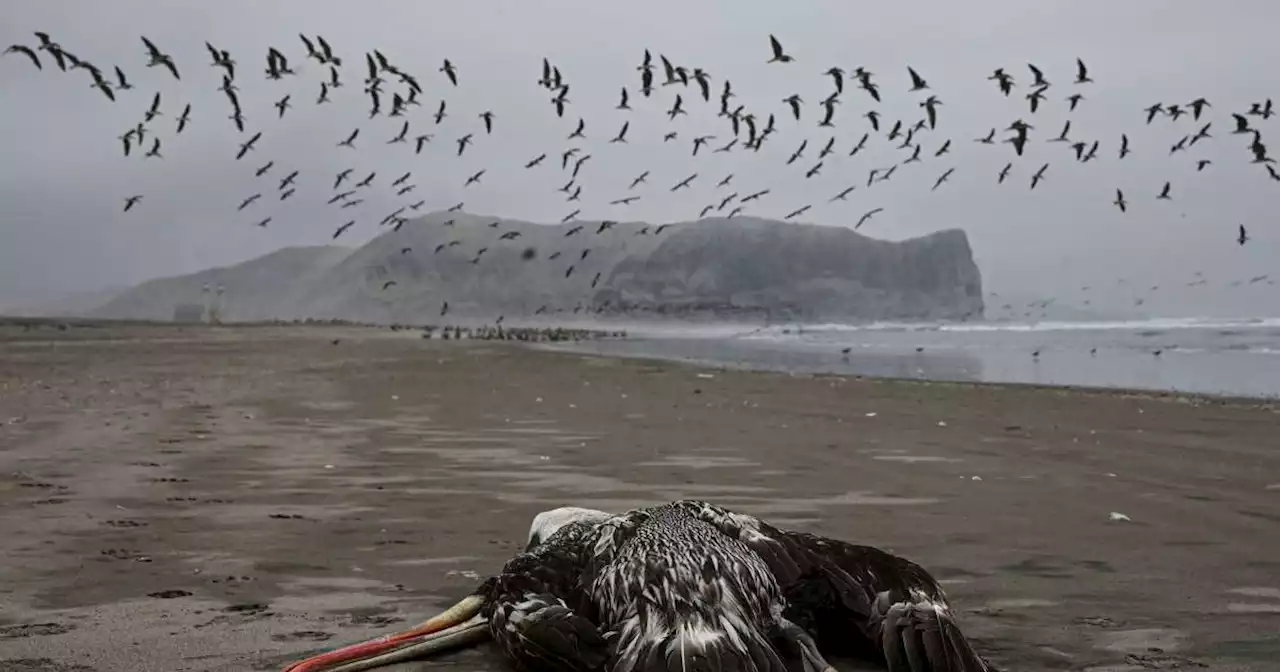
(458, 626)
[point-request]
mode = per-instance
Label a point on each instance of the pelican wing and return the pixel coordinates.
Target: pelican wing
(532, 606)
(856, 600)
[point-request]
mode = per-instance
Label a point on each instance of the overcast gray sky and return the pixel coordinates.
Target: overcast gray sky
(63, 178)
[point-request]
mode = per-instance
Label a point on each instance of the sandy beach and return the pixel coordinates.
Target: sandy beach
(233, 498)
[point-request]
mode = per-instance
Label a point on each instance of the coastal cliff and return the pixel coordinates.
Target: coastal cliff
(744, 268)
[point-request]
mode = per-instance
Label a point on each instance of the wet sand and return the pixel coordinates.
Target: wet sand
(230, 499)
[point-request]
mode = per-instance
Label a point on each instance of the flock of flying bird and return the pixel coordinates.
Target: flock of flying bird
(392, 91)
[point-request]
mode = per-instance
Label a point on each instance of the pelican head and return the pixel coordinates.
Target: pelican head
(546, 523)
(459, 626)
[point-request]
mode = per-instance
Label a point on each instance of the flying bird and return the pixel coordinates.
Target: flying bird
(154, 110)
(942, 178)
(684, 183)
(1003, 80)
(25, 51)
(1039, 175)
(1082, 74)
(1038, 76)
(778, 55)
(131, 201)
(917, 82)
(797, 212)
(246, 146)
(401, 136)
(930, 106)
(1197, 107)
(350, 141)
(794, 101)
(841, 196)
(450, 71)
(1120, 202)
(867, 216)
(622, 135)
(1035, 97)
(156, 57)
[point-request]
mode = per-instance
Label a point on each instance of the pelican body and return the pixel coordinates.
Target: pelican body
(687, 587)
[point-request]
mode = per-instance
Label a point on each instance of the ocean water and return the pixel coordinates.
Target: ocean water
(1235, 357)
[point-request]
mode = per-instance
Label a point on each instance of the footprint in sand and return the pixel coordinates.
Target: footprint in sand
(51, 500)
(24, 630)
(124, 554)
(41, 665)
(375, 621)
(233, 579)
(246, 608)
(303, 636)
(1096, 622)
(169, 594)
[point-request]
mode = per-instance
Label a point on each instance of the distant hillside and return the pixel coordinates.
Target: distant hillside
(744, 267)
(71, 305)
(254, 290)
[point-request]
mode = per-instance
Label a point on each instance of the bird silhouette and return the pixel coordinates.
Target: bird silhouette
(867, 217)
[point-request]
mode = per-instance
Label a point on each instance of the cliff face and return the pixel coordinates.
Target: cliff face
(798, 272)
(743, 268)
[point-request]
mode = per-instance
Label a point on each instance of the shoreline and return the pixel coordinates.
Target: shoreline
(1245, 401)
(584, 347)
